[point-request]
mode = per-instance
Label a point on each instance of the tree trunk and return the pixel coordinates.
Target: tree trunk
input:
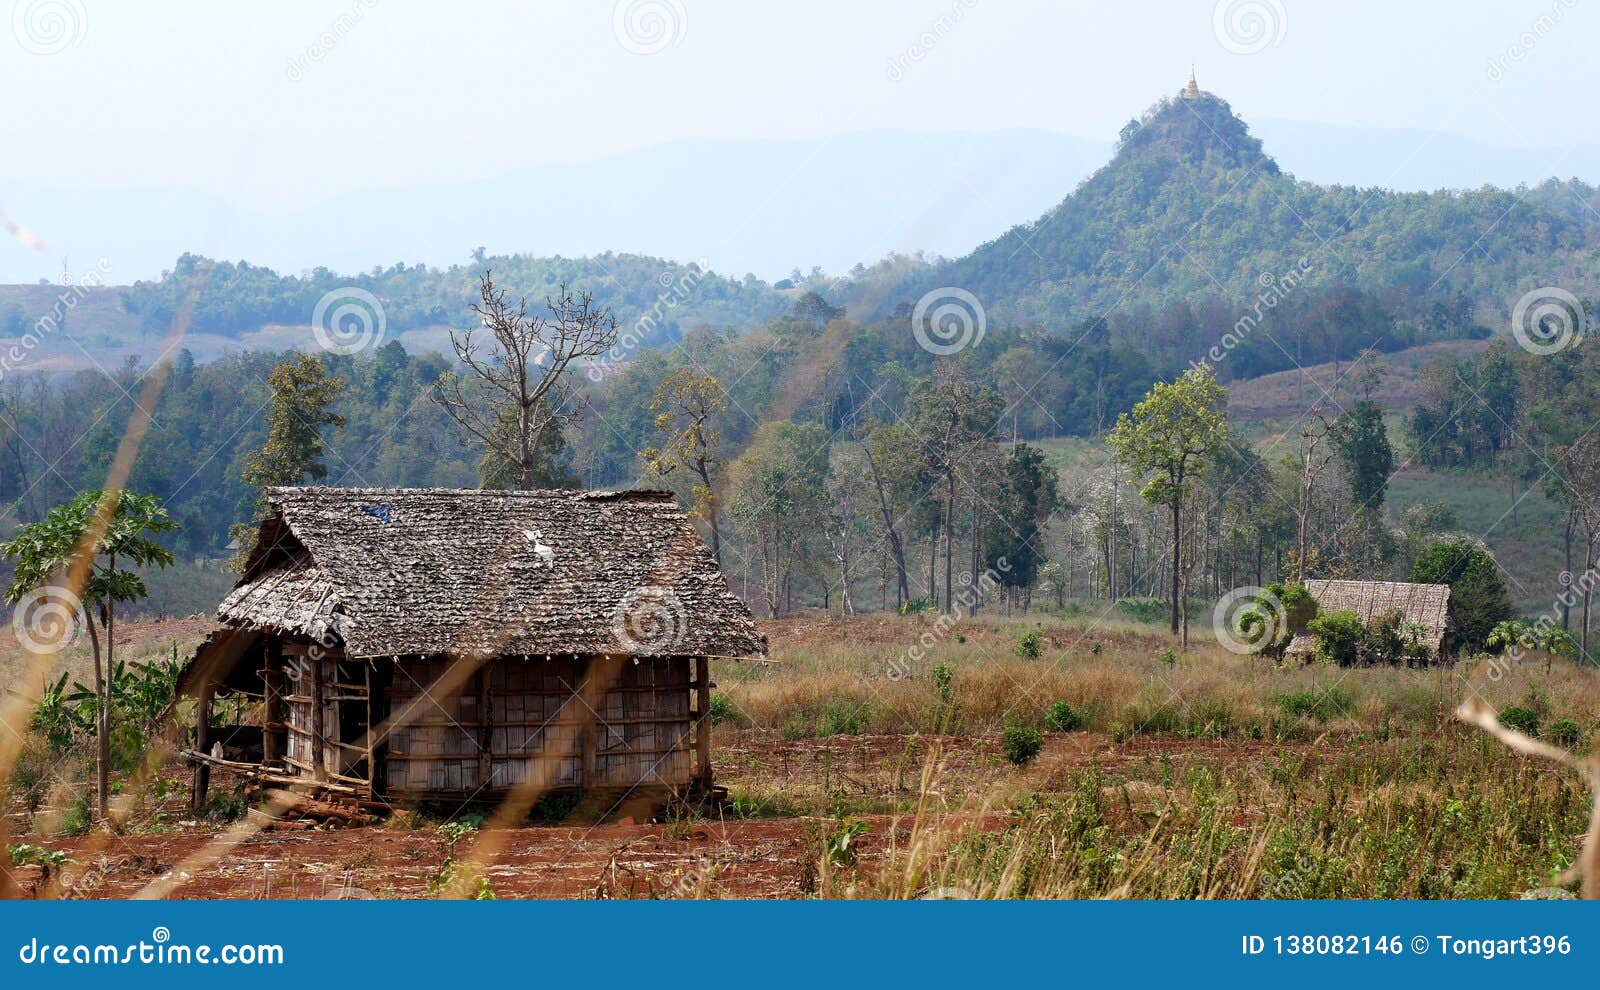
(949, 537)
(1177, 551)
(101, 781)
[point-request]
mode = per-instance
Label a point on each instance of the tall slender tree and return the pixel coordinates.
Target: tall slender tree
(1168, 440)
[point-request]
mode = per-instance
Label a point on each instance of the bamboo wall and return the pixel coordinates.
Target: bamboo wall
(540, 722)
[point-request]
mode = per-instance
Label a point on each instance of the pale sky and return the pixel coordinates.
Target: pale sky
(278, 105)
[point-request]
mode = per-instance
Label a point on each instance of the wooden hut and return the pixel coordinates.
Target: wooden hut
(1425, 608)
(433, 643)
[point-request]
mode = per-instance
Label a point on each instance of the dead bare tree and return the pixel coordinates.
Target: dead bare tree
(516, 391)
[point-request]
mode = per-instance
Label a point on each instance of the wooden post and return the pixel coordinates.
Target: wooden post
(380, 674)
(271, 705)
(590, 763)
(318, 729)
(702, 732)
(485, 726)
(202, 745)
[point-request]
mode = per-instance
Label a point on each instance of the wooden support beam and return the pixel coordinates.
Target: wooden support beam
(272, 734)
(485, 725)
(202, 744)
(319, 729)
(702, 721)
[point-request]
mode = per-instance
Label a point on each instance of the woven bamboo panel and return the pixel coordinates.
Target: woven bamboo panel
(538, 717)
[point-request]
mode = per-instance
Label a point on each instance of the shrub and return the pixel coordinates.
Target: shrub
(724, 712)
(843, 718)
(1021, 744)
(1167, 657)
(1320, 704)
(1340, 636)
(1060, 717)
(944, 677)
(77, 819)
(841, 845)
(1520, 719)
(1564, 732)
(1030, 645)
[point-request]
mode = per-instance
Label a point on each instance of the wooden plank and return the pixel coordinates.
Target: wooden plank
(486, 723)
(319, 730)
(702, 735)
(272, 741)
(202, 744)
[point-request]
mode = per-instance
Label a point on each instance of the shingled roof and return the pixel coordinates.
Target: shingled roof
(442, 571)
(1423, 605)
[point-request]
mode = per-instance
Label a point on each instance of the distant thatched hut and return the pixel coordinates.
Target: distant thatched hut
(430, 643)
(1424, 609)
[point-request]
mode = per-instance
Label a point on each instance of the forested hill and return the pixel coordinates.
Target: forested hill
(1192, 207)
(1190, 212)
(231, 299)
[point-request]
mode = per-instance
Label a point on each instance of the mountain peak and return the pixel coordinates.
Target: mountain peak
(1194, 127)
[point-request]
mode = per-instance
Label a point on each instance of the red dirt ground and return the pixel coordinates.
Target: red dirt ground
(764, 857)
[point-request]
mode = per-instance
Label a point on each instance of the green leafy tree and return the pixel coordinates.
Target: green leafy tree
(953, 412)
(1168, 440)
(1478, 594)
(549, 453)
(89, 543)
(1363, 446)
(1028, 497)
(301, 405)
(685, 405)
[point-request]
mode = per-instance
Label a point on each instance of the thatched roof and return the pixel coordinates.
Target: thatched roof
(1424, 605)
(441, 571)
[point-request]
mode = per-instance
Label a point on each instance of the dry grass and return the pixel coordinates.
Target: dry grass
(838, 677)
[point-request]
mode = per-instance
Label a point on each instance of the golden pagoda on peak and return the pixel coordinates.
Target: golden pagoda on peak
(1191, 91)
